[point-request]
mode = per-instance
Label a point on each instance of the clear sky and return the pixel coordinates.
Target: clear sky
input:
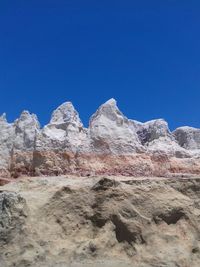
(145, 54)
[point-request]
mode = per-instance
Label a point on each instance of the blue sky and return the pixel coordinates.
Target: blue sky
(145, 54)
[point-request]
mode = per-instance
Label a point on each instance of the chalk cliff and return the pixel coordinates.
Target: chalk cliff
(86, 207)
(112, 144)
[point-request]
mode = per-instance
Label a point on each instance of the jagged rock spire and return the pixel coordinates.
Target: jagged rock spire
(110, 132)
(65, 113)
(109, 110)
(27, 119)
(26, 128)
(3, 118)
(65, 130)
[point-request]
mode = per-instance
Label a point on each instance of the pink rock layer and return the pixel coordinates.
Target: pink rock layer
(62, 163)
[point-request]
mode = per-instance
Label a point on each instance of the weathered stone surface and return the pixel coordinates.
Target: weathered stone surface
(65, 130)
(100, 222)
(13, 211)
(6, 145)
(26, 130)
(188, 137)
(156, 137)
(112, 144)
(151, 130)
(110, 132)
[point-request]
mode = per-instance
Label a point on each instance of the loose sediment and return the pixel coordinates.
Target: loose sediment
(100, 221)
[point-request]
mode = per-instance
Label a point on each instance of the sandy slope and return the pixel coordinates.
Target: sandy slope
(96, 221)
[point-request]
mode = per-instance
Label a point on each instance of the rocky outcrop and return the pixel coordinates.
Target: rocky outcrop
(157, 138)
(112, 144)
(114, 222)
(65, 131)
(59, 142)
(109, 131)
(13, 212)
(6, 145)
(188, 137)
(152, 130)
(26, 129)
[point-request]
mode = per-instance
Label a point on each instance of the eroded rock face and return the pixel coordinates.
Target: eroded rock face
(13, 211)
(59, 142)
(6, 145)
(152, 130)
(113, 144)
(157, 138)
(65, 130)
(188, 137)
(110, 132)
(101, 222)
(26, 130)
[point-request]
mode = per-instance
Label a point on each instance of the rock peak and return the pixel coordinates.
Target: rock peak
(109, 110)
(65, 113)
(111, 101)
(24, 115)
(26, 118)
(110, 132)
(109, 105)
(3, 117)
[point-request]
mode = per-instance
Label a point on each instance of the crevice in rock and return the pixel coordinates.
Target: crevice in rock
(97, 220)
(171, 217)
(104, 184)
(195, 250)
(123, 234)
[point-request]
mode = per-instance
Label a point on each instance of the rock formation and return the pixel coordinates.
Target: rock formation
(112, 144)
(6, 145)
(109, 132)
(106, 219)
(64, 132)
(188, 137)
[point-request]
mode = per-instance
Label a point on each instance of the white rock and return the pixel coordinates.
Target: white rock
(6, 142)
(26, 129)
(110, 131)
(156, 136)
(188, 137)
(65, 130)
(66, 114)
